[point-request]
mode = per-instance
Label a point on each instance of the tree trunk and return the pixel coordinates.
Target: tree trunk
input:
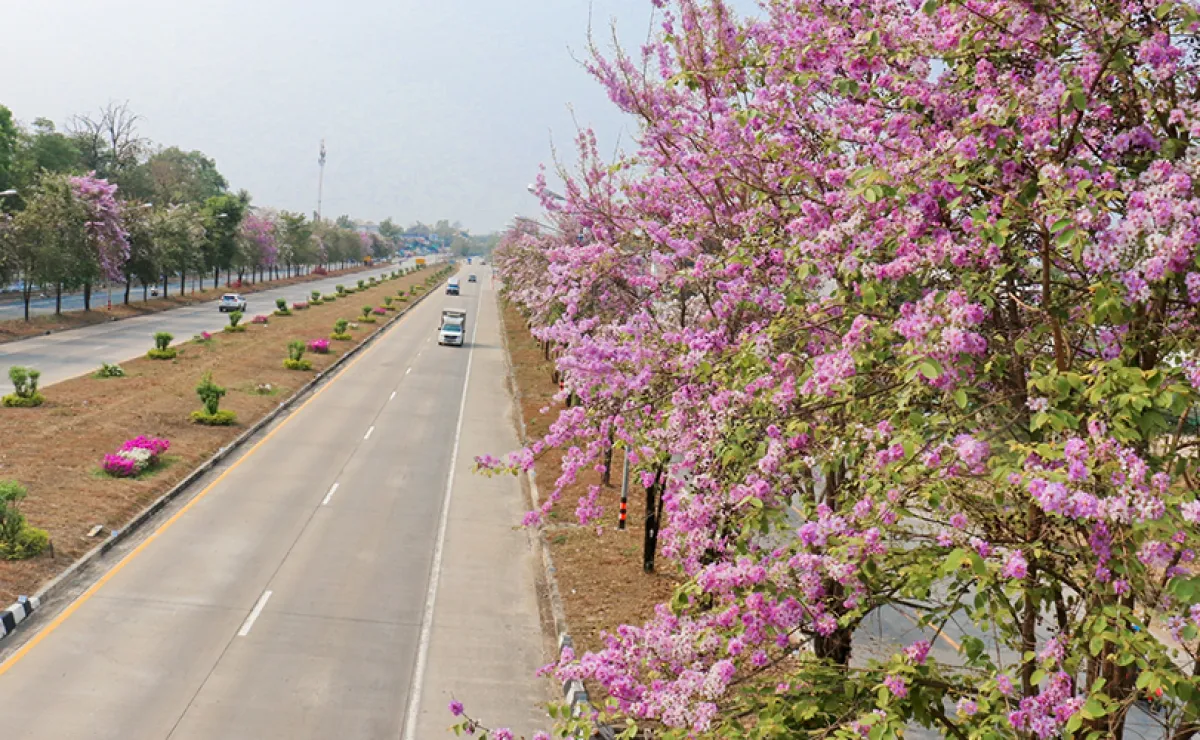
(27, 294)
(182, 281)
(608, 454)
(653, 515)
(128, 284)
(216, 277)
(87, 296)
(167, 284)
(58, 299)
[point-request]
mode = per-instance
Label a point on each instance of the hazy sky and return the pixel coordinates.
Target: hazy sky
(430, 108)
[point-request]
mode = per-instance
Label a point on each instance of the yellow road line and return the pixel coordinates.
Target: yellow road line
(941, 634)
(88, 594)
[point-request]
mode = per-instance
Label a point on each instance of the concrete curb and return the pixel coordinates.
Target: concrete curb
(26, 605)
(574, 693)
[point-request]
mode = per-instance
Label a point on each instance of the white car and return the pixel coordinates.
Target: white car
(232, 302)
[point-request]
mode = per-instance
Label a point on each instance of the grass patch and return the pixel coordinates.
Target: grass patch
(170, 353)
(164, 462)
(300, 364)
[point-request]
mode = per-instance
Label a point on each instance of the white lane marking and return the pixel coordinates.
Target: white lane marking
(406, 372)
(369, 433)
(262, 601)
(414, 700)
(393, 396)
(329, 495)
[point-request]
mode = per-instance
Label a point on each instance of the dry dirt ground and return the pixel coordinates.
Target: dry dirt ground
(55, 450)
(599, 575)
(14, 329)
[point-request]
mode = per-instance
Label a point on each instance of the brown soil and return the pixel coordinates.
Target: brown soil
(12, 330)
(56, 450)
(600, 576)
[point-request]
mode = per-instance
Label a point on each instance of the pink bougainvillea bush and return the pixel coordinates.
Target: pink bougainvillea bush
(894, 305)
(259, 320)
(319, 346)
(135, 456)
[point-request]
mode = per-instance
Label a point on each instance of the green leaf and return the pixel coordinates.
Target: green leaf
(930, 369)
(1092, 709)
(868, 295)
(1079, 100)
(930, 7)
(960, 398)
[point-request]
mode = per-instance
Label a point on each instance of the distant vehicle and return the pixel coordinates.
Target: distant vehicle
(453, 327)
(471, 278)
(232, 302)
(154, 292)
(468, 260)
(452, 286)
(420, 260)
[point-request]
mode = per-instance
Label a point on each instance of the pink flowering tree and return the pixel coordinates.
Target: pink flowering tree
(105, 248)
(896, 306)
(258, 245)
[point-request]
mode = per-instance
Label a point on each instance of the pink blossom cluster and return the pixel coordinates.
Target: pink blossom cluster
(135, 456)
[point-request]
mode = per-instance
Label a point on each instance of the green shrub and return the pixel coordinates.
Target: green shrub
(362, 284)
(339, 326)
(366, 310)
(110, 371)
(31, 541)
(329, 298)
(387, 300)
(281, 304)
(162, 347)
(18, 540)
(316, 296)
(234, 326)
(295, 359)
(340, 336)
(211, 394)
(341, 289)
(219, 419)
(25, 388)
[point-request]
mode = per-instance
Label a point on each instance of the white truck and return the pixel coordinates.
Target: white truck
(453, 327)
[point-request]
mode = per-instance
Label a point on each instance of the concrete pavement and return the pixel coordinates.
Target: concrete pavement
(290, 598)
(80, 351)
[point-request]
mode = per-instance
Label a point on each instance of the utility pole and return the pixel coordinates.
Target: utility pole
(320, 178)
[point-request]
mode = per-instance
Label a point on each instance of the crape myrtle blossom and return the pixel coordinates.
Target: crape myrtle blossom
(926, 272)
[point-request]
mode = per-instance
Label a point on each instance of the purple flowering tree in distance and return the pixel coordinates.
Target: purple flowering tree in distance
(926, 273)
(258, 244)
(106, 235)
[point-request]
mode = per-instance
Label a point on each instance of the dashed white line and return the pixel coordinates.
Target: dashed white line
(262, 601)
(393, 396)
(329, 495)
(369, 433)
(406, 372)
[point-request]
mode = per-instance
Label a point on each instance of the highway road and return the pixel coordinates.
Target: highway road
(345, 577)
(80, 351)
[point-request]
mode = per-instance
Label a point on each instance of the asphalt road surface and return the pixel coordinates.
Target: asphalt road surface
(344, 578)
(80, 351)
(13, 307)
